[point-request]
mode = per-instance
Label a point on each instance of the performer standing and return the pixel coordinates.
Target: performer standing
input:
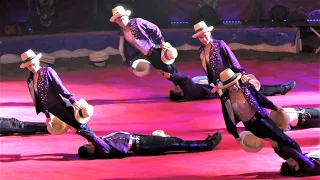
(46, 89)
(136, 37)
(216, 56)
(242, 102)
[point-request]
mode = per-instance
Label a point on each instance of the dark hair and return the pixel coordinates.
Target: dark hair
(175, 96)
(83, 152)
(286, 170)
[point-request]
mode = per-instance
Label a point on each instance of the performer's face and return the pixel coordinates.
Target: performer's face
(122, 21)
(90, 147)
(293, 164)
(205, 38)
(234, 87)
(178, 91)
(34, 67)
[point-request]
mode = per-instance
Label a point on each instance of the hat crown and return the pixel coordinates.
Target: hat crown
(28, 55)
(200, 25)
(226, 74)
(118, 10)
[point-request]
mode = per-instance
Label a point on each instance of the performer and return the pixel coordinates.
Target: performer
(46, 89)
(295, 168)
(242, 102)
(136, 37)
(187, 90)
(10, 126)
(216, 56)
(303, 117)
(122, 143)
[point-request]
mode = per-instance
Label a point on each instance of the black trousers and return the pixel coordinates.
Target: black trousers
(65, 112)
(155, 145)
(155, 59)
(264, 127)
(10, 126)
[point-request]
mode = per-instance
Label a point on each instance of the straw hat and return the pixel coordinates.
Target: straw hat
(281, 119)
(118, 12)
(169, 55)
(228, 78)
(56, 126)
(159, 133)
(83, 115)
(29, 57)
(201, 28)
(250, 142)
(141, 67)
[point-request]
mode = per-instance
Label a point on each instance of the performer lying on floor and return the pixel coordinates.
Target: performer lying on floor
(242, 102)
(10, 126)
(187, 90)
(293, 168)
(216, 56)
(121, 143)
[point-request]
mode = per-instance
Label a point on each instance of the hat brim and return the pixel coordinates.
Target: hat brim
(77, 115)
(210, 28)
(280, 119)
(52, 130)
(116, 16)
(248, 148)
(221, 86)
(34, 60)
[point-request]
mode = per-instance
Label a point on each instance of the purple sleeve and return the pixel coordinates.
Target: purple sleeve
(153, 29)
(229, 55)
(57, 84)
(262, 100)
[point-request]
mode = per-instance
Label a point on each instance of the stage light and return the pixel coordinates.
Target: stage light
(278, 14)
(179, 22)
(232, 23)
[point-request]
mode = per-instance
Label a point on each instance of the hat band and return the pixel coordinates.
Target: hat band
(200, 29)
(29, 59)
(81, 114)
(229, 80)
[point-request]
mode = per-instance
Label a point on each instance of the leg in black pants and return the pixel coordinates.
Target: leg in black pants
(155, 60)
(155, 145)
(65, 112)
(9, 126)
(264, 127)
(270, 90)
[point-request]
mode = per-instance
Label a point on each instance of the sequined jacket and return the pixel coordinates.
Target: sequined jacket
(49, 88)
(143, 31)
(220, 58)
(255, 99)
(190, 89)
(117, 145)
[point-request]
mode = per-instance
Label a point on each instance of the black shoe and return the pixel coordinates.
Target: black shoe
(214, 139)
(288, 87)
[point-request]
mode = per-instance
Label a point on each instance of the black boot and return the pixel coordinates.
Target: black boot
(206, 145)
(288, 86)
(270, 90)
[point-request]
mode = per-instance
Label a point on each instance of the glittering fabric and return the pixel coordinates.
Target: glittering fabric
(220, 58)
(49, 87)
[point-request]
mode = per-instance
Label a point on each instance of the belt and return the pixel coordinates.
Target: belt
(154, 47)
(253, 119)
(135, 139)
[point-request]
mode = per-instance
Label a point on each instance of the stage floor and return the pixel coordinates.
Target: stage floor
(124, 102)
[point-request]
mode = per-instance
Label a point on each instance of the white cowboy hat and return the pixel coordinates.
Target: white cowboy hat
(56, 126)
(201, 28)
(118, 12)
(228, 78)
(159, 133)
(141, 67)
(29, 57)
(253, 80)
(169, 55)
(250, 142)
(281, 119)
(83, 115)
